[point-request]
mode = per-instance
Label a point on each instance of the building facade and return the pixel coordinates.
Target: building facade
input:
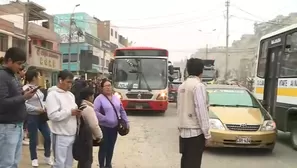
(87, 51)
(43, 53)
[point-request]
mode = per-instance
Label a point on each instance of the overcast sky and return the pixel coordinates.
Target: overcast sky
(181, 26)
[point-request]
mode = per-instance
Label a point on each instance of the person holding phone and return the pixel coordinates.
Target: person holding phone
(12, 108)
(62, 111)
(35, 107)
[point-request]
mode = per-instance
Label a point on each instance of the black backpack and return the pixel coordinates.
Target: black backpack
(82, 149)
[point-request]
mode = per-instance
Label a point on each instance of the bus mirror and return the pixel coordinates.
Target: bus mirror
(170, 78)
(170, 70)
(110, 66)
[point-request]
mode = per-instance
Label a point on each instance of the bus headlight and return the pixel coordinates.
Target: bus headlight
(268, 125)
(162, 96)
(118, 95)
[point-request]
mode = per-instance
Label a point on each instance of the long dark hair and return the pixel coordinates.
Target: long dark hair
(83, 94)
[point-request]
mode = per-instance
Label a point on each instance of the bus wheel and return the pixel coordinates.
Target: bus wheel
(294, 138)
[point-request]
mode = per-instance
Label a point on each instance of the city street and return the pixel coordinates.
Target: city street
(153, 143)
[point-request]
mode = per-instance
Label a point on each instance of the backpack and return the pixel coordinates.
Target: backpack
(83, 143)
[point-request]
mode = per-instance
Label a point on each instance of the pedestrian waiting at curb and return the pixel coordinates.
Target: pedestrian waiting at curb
(111, 116)
(62, 112)
(12, 108)
(88, 129)
(193, 116)
(35, 121)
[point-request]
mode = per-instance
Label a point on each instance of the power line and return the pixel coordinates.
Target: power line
(164, 16)
(160, 25)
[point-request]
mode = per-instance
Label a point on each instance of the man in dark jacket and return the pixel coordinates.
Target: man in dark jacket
(12, 108)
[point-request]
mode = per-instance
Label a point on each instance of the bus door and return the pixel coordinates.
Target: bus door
(271, 79)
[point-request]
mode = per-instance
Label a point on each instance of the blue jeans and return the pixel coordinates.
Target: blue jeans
(34, 124)
(11, 138)
(106, 149)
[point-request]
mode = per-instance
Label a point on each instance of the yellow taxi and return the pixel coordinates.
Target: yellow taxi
(237, 119)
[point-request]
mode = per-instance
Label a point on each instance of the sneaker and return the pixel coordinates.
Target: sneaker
(49, 161)
(35, 163)
(25, 142)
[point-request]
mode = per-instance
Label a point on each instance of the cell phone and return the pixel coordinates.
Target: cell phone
(82, 107)
(36, 88)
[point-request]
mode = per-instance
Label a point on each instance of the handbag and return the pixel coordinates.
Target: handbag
(122, 125)
(42, 116)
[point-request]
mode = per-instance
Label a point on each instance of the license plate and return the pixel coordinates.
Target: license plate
(138, 107)
(243, 140)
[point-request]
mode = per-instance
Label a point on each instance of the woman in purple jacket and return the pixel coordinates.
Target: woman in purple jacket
(108, 121)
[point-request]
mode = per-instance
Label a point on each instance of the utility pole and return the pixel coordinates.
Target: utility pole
(27, 13)
(71, 22)
(227, 38)
(206, 51)
(69, 41)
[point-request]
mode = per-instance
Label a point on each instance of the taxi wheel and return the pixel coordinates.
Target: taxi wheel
(294, 138)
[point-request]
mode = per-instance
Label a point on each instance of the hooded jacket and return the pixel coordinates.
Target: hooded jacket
(12, 102)
(59, 104)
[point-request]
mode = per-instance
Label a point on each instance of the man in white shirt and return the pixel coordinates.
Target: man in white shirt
(193, 116)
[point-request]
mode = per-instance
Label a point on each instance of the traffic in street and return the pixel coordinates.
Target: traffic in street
(153, 143)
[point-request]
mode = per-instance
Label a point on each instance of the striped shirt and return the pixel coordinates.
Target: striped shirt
(201, 109)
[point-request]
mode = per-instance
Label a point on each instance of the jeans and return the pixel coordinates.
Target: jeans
(11, 138)
(106, 149)
(34, 124)
(62, 148)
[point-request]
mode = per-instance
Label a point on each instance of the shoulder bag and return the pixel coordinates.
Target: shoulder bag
(122, 125)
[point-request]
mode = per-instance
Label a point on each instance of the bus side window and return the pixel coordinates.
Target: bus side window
(289, 60)
(262, 59)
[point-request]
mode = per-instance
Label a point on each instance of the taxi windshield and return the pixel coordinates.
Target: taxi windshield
(232, 98)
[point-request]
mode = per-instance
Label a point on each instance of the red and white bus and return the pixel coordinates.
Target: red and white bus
(140, 78)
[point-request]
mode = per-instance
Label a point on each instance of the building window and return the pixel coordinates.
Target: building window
(3, 42)
(95, 60)
(73, 58)
(106, 63)
(116, 34)
(102, 62)
(111, 32)
(47, 44)
(20, 43)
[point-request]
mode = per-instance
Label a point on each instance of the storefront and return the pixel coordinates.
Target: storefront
(48, 62)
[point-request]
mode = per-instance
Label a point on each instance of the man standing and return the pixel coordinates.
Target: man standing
(193, 116)
(12, 108)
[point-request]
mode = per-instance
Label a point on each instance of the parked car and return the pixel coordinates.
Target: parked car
(237, 119)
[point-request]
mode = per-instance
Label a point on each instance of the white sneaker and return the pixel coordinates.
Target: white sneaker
(49, 161)
(25, 142)
(35, 163)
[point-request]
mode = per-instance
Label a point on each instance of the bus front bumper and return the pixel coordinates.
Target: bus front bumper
(150, 105)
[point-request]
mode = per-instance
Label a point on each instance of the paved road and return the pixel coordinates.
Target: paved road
(153, 143)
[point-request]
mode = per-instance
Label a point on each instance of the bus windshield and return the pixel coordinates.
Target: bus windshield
(141, 73)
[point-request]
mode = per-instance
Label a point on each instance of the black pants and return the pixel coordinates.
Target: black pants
(87, 164)
(106, 149)
(191, 150)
